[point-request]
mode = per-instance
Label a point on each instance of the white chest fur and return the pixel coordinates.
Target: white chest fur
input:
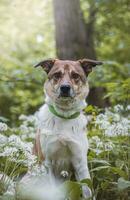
(62, 140)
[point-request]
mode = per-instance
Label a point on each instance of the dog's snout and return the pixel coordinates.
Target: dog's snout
(65, 90)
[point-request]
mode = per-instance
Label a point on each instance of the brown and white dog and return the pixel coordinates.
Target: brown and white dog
(61, 142)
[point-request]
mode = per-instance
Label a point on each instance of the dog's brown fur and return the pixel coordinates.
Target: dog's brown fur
(37, 148)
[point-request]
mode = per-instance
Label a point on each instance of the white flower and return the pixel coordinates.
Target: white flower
(27, 131)
(9, 151)
(28, 126)
(95, 139)
(3, 126)
(113, 123)
(3, 140)
(104, 125)
(109, 146)
(118, 108)
(118, 128)
(24, 128)
(32, 119)
(15, 140)
(28, 119)
(128, 108)
(99, 145)
(117, 117)
(30, 159)
(18, 151)
(98, 151)
(38, 170)
(22, 117)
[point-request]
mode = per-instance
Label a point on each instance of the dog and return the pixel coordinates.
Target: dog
(61, 143)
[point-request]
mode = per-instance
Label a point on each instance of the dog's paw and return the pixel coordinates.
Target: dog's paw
(86, 192)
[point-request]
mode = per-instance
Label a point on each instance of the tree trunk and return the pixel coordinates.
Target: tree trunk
(75, 37)
(90, 46)
(95, 97)
(70, 30)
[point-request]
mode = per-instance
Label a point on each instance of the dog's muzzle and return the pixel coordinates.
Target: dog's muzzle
(65, 91)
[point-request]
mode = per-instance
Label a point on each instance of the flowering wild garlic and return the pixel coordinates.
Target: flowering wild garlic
(104, 150)
(113, 123)
(3, 126)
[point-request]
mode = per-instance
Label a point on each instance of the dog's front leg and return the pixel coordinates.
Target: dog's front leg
(81, 172)
(79, 157)
(48, 165)
(80, 165)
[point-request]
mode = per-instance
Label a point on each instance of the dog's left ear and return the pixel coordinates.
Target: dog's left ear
(88, 64)
(46, 64)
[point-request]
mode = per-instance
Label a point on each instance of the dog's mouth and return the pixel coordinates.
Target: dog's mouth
(64, 99)
(65, 96)
(64, 102)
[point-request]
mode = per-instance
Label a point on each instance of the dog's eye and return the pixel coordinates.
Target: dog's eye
(75, 76)
(57, 75)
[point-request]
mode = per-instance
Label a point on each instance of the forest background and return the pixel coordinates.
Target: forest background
(33, 30)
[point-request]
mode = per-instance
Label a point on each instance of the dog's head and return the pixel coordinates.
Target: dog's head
(67, 80)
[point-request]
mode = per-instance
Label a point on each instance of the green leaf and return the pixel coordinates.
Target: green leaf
(105, 184)
(87, 182)
(99, 161)
(99, 168)
(73, 190)
(118, 171)
(89, 108)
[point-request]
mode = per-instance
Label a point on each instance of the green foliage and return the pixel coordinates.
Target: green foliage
(112, 46)
(27, 36)
(111, 28)
(108, 156)
(119, 91)
(21, 92)
(109, 159)
(73, 190)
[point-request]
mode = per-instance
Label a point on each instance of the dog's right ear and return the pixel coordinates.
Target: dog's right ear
(46, 64)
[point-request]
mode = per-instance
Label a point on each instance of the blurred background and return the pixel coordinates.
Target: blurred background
(33, 30)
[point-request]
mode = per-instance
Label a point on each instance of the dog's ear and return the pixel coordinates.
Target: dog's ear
(46, 64)
(88, 64)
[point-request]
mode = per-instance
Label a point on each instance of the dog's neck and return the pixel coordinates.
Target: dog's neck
(66, 110)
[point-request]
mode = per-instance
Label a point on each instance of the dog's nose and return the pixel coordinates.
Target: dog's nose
(65, 90)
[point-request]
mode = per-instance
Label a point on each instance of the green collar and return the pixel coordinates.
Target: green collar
(52, 110)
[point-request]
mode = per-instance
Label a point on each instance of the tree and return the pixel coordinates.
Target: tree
(74, 38)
